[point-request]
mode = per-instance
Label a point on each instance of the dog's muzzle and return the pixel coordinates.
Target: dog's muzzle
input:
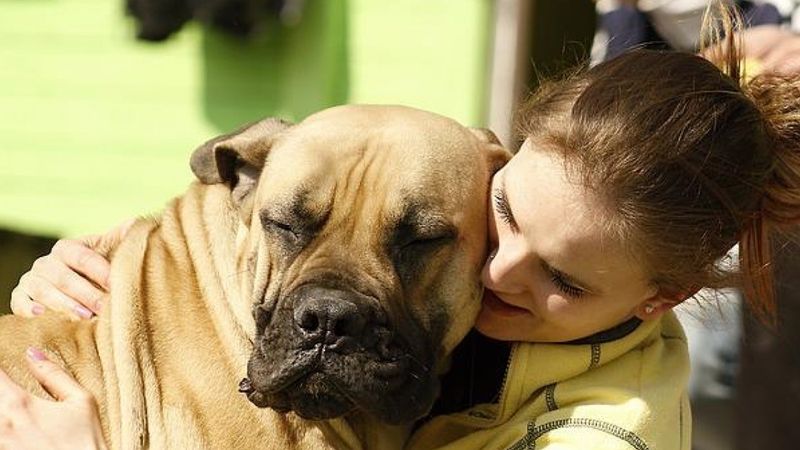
(325, 352)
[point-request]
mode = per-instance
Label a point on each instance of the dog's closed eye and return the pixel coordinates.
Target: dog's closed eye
(428, 240)
(280, 227)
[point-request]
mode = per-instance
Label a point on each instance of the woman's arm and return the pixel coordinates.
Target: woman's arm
(30, 422)
(72, 278)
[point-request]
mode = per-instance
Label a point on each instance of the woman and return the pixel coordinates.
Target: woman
(634, 180)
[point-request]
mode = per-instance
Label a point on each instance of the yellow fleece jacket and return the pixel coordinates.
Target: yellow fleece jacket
(629, 393)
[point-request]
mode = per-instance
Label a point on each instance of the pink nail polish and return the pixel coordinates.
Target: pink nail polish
(83, 312)
(37, 310)
(35, 354)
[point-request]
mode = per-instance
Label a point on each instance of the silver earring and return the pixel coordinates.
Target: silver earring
(492, 254)
(648, 309)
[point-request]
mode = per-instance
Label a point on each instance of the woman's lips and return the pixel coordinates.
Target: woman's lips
(497, 306)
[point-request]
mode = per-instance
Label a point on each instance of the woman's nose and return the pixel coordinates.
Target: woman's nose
(503, 269)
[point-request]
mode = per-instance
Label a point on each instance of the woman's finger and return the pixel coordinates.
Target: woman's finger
(788, 65)
(76, 255)
(8, 388)
(759, 40)
(24, 306)
(53, 377)
(42, 291)
(791, 66)
(69, 283)
(14, 400)
(780, 53)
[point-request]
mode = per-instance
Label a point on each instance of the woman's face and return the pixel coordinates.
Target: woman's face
(553, 275)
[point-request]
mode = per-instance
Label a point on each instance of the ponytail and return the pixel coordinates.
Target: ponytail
(777, 99)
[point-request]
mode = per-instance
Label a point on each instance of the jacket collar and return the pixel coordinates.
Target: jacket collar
(532, 366)
(611, 334)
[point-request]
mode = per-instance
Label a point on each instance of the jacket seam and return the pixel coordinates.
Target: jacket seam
(595, 358)
(667, 336)
(680, 419)
(528, 442)
(550, 397)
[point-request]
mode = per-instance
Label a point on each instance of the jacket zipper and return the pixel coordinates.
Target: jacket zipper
(503, 393)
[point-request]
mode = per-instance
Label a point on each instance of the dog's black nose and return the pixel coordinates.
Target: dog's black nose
(331, 315)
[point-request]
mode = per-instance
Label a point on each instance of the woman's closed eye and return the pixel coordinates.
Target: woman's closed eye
(562, 282)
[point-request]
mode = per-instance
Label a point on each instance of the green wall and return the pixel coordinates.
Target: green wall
(98, 127)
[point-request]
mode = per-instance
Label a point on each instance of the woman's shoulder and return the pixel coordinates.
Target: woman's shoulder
(633, 395)
(628, 392)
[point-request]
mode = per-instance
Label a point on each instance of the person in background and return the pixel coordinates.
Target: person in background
(769, 34)
(635, 178)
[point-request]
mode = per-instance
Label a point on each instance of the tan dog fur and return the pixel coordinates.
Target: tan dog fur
(164, 358)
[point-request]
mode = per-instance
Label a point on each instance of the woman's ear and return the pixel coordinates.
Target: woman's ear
(662, 301)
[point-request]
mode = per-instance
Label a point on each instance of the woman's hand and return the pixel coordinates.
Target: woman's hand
(769, 48)
(776, 48)
(30, 422)
(72, 278)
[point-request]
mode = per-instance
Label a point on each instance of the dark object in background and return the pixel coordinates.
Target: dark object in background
(18, 251)
(628, 28)
(159, 19)
(769, 379)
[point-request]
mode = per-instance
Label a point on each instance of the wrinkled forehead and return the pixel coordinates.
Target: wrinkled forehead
(396, 153)
(407, 135)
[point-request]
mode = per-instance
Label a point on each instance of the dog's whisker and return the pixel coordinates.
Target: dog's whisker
(419, 363)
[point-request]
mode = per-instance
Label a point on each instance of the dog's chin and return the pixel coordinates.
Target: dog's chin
(390, 380)
(313, 397)
(320, 396)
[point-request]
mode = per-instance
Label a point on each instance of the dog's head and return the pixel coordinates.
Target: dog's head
(366, 235)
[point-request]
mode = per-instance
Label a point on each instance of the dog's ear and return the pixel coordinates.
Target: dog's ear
(236, 159)
(496, 155)
(218, 160)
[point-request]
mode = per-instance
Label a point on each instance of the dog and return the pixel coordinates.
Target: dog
(333, 264)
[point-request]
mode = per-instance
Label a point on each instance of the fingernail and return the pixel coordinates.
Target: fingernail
(35, 354)
(83, 312)
(37, 310)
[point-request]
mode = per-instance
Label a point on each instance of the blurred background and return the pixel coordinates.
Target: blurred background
(103, 101)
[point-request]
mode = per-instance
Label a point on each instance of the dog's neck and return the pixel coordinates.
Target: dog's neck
(232, 315)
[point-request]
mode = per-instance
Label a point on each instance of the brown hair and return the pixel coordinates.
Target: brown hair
(689, 157)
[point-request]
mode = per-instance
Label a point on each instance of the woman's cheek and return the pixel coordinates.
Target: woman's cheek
(556, 303)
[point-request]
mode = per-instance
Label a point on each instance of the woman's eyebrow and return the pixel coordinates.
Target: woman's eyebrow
(504, 207)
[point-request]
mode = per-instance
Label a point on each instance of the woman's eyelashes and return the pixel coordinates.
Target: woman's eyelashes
(503, 209)
(562, 284)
